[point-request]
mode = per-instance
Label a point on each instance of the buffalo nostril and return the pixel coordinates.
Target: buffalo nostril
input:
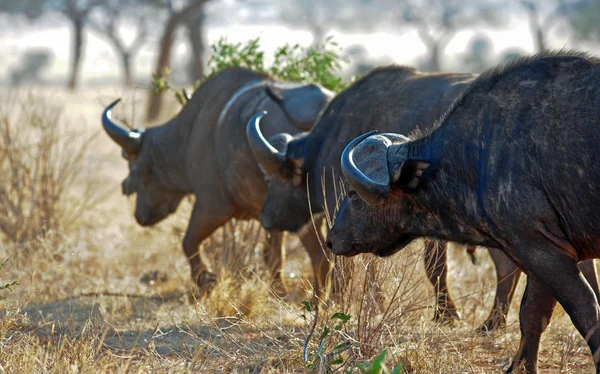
(329, 245)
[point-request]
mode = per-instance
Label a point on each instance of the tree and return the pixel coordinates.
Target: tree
(544, 15)
(195, 25)
(320, 16)
(106, 20)
(585, 21)
(176, 17)
(438, 21)
(76, 12)
(32, 9)
(478, 55)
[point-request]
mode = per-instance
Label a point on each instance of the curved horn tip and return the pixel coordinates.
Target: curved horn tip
(130, 141)
(186, 95)
(111, 105)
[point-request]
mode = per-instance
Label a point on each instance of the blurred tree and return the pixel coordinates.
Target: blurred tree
(320, 16)
(107, 19)
(31, 9)
(478, 55)
(511, 54)
(31, 65)
(76, 11)
(585, 21)
(438, 21)
(544, 15)
(188, 10)
(194, 25)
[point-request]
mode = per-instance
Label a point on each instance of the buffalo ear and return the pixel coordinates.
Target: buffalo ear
(127, 156)
(411, 174)
(127, 187)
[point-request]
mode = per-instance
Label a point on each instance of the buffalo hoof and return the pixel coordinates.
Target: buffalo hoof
(205, 283)
(520, 370)
(492, 324)
(446, 316)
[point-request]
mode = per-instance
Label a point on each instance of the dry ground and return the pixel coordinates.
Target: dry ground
(105, 295)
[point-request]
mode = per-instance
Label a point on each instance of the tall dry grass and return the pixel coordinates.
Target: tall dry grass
(42, 164)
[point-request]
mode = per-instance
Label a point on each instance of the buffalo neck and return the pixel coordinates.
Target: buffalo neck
(168, 151)
(452, 197)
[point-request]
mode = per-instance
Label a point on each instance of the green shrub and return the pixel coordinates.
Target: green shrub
(290, 63)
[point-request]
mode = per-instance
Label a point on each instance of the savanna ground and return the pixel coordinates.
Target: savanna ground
(98, 293)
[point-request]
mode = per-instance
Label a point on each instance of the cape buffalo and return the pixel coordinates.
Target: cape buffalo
(203, 151)
(394, 98)
(513, 165)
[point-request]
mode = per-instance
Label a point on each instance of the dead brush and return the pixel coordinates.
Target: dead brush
(377, 296)
(41, 163)
(236, 250)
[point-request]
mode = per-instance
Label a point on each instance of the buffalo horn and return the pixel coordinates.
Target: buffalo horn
(269, 158)
(186, 95)
(130, 141)
(374, 193)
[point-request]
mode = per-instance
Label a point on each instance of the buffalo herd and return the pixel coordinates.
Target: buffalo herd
(508, 160)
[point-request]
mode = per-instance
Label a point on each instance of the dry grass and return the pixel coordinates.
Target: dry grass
(101, 294)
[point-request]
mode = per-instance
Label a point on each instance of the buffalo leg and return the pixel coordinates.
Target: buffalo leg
(437, 272)
(274, 257)
(321, 263)
(560, 276)
(588, 268)
(200, 227)
(537, 306)
(507, 275)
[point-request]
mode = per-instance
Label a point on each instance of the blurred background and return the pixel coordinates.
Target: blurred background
(89, 43)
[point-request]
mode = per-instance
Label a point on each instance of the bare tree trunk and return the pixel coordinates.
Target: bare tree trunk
(435, 57)
(77, 47)
(195, 29)
(319, 33)
(164, 53)
(538, 38)
(127, 70)
(537, 33)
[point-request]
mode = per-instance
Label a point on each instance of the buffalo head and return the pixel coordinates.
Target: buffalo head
(154, 201)
(380, 210)
(282, 165)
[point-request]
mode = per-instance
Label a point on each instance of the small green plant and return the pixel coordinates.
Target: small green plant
(377, 366)
(335, 349)
(160, 84)
(7, 286)
(332, 347)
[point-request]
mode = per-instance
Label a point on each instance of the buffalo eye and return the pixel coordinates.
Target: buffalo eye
(352, 195)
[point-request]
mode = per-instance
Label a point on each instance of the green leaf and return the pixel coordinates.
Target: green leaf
(377, 366)
(307, 306)
(8, 286)
(325, 332)
(397, 369)
(337, 361)
(341, 316)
